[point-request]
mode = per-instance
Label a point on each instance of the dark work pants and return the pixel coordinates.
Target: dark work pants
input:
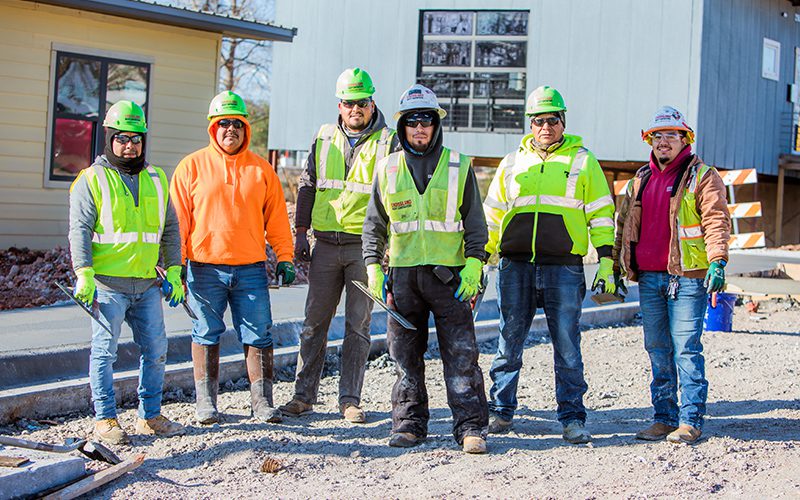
(417, 292)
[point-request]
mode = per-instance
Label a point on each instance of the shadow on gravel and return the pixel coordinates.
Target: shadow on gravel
(790, 333)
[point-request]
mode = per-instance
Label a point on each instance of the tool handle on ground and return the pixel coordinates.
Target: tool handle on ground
(33, 445)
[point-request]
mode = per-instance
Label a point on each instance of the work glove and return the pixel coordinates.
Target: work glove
(376, 281)
(172, 287)
(302, 250)
(470, 279)
(715, 277)
(85, 288)
(285, 269)
(605, 274)
(622, 290)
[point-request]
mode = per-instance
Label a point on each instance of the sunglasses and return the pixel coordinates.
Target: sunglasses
(550, 120)
(424, 119)
(125, 139)
(361, 103)
(668, 136)
(228, 122)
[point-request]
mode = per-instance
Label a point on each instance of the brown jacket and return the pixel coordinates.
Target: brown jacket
(712, 205)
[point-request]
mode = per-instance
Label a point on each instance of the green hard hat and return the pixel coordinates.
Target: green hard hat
(354, 84)
(227, 103)
(126, 116)
(544, 100)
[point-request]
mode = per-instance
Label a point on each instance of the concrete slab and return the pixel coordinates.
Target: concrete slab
(44, 471)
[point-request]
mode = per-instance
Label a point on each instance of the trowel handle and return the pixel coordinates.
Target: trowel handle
(714, 300)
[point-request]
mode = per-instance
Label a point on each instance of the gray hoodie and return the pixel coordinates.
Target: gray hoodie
(82, 219)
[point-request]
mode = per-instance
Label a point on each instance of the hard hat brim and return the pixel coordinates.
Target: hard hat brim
(354, 96)
(546, 109)
(442, 113)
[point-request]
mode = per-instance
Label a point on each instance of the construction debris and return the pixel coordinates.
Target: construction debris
(91, 449)
(96, 480)
(12, 461)
(271, 465)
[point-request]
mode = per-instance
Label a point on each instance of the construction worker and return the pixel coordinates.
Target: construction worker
(425, 201)
(230, 203)
(542, 202)
(333, 195)
(120, 222)
(672, 237)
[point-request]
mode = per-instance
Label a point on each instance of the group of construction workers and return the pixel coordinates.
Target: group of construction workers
(396, 210)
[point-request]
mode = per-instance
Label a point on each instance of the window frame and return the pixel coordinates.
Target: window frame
(776, 46)
(105, 57)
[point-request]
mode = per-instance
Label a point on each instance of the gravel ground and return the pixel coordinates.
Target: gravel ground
(751, 444)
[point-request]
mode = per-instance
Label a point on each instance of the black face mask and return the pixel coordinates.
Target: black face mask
(131, 166)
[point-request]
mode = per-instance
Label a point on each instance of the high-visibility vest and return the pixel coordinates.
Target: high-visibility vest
(690, 231)
(425, 229)
(340, 202)
(127, 237)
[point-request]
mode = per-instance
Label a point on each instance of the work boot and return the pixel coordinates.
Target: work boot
(205, 359)
(575, 432)
(685, 434)
(404, 440)
(499, 425)
(109, 431)
(352, 413)
(296, 408)
(474, 444)
(655, 432)
(259, 370)
(159, 426)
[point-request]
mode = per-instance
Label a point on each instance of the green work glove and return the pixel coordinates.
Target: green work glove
(174, 294)
(85, 288)
(286, 269)
(376, 281)
(470, 279)
(715, 277)
(605, 273)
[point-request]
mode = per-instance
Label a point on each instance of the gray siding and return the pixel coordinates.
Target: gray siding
(744, 119)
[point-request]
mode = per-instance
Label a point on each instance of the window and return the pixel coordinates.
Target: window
(771, 60)
(476, 63)
(84, 87)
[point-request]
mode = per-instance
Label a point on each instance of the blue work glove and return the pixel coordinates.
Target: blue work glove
(172, 287)
(285, 269)
(715, 277)
(85, 287)
(605, 273)
(376, 281)
(470, 279)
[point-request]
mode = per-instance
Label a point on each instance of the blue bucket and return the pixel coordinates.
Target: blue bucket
(720, 318)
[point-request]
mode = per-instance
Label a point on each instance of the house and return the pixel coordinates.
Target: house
(732, 66)
(64, 62)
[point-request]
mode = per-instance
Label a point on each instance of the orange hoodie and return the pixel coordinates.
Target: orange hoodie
(229, 206)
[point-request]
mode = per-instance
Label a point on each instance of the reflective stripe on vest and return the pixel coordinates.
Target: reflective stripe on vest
(692, 243)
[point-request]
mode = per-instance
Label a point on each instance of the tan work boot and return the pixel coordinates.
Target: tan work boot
(109, 431)
(404, 440)
(205, 360)
(575, 432)
(296, 408)
(259, 371)
(655, 432)
(159, 426)
(474, 444)
(498, 425)
(352, 413)
(685, 434)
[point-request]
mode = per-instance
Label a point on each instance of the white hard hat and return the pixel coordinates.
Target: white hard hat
(419, 97)
(668, 118)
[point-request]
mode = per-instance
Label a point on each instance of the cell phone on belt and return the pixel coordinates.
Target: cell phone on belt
(444, 274)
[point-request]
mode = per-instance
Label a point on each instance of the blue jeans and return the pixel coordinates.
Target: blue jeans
(144, 315)
(213, 286)
(672, 329)
(559, 289)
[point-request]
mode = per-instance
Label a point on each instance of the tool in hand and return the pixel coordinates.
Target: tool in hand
(391, 312)
(478, 299)
(186, 307)
(601, 298)
(93, 450)
(279, 284)
(91, 311)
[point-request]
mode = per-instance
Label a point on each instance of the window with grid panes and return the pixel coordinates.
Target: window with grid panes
(85, 87)
(475, 62)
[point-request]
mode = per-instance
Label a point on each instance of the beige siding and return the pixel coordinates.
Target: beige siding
(183, 80)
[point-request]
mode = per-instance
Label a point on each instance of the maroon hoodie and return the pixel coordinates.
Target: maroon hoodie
(652, 250)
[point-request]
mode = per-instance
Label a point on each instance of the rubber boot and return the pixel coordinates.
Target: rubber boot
(205, 359)
(259, 371)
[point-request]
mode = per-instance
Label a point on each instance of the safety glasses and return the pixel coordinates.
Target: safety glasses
(550, 120)
(424, 119)
(231, 122)
(125, 139)
(361, 103)
(667, 136)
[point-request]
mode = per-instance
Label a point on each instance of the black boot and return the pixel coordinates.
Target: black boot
(259, 370)
(205, 359)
